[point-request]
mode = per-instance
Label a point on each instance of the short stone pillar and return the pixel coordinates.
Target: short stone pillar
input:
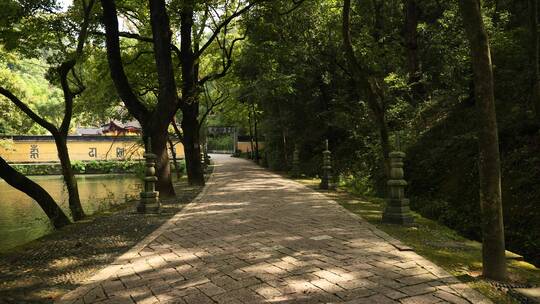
(203, 163)
(397, 209)
(295, 170)
(327, 181)
(206, 156)
(149, 202)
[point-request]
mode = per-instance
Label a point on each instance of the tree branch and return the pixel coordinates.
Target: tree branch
(227, 64)
(218, 29)
(138, 37)
(297, 4)
(110, 20)
(214, 103)
(23, 107)
(68, 66)
(179, 133)
(168, 96)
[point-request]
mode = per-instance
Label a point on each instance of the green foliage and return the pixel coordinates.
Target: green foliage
(26, 78)
(83, 167)
(104, 166)
(220, 142)
(39, 169)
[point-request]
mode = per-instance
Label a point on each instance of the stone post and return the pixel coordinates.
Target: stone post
(203, 163)
(149, 202)
(397, 209)
(326, 179)
(295, 171)
(206, 156)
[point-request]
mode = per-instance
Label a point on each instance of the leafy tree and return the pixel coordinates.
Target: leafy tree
(189, 54)
(61, 73)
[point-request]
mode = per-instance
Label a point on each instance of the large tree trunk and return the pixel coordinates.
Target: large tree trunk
(190, 102)
(411, 46)
(163, 167)
(493, 247)
(380, 118)
(36, 192)
(70, 181)
(534, 53)
(154, 122)
(175, 159)
(167, 96)
(192, 148)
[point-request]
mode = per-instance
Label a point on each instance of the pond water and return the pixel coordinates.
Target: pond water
(22, 220)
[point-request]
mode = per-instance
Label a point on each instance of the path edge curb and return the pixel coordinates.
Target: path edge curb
(90, 283)
(472, 295)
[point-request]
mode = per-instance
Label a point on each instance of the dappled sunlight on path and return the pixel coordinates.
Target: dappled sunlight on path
(255, 237)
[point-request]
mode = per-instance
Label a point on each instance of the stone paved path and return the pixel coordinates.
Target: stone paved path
(255, 237)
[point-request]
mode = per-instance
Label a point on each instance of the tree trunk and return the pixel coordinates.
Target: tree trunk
(256, 130)
(411, 46)
(163, 167)
(192, 148)
(493, 247)
(251, 142)
(190, 102)
(36, 192)
(534, 49)
(366, 86)
(70, 181)
(378, 113)
(385, 141)
(175, 160)
(167, 95)
(154, 122)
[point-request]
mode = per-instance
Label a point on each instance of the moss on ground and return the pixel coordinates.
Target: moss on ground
(443, 246)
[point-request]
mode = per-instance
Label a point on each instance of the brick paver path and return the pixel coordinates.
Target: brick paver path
(255, 237)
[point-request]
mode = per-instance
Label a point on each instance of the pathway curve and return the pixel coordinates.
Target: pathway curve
(255, 237)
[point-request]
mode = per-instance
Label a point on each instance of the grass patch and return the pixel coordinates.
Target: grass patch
(443, 246)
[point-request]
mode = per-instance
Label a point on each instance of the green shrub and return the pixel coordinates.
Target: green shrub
(78, 167)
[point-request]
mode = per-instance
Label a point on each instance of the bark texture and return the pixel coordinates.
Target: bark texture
(167, 96)
(493, 246)
(190, 94)
(36, 192)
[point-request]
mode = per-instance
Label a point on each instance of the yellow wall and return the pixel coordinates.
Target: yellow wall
(95, 148)
(245, 146)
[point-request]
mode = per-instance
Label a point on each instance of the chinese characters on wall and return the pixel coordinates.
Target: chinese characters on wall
(119, 152)
(34, 152)
(92, 152)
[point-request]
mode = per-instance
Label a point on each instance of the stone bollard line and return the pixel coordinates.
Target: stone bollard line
(149, 202)
(326, 179)
(397, 209)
